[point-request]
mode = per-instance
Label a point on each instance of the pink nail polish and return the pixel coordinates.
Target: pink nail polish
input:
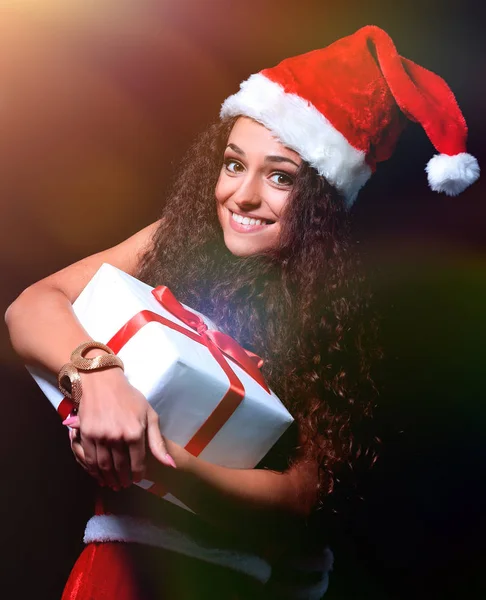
(170, 461)
(70, 420)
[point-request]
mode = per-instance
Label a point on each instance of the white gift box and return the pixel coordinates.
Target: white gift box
(179, 377)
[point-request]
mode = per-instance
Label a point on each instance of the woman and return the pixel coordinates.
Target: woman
(272, 265)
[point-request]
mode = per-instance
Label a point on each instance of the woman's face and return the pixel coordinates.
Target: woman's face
(253, 188)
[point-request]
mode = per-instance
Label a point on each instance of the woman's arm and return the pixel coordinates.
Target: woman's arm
(116, 420)
(268, 503)
(42, 325)
(44, 330)
(268, 506)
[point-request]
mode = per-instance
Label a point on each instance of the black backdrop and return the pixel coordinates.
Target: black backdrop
(97, 105)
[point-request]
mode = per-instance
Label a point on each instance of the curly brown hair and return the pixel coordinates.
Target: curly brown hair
(303, 307)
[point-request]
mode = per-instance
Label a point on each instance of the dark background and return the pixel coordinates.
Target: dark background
(97, 103)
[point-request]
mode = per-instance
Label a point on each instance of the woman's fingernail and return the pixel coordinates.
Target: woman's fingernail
(70, 420)
(169, 461)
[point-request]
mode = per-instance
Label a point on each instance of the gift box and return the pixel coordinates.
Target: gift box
(208, 392)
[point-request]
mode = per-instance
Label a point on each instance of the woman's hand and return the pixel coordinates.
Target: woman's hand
(115, 424)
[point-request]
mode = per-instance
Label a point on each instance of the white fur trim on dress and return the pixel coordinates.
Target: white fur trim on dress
(318, 562)
(122, 528)
(301, 127)
(322, 560)
(452, 174)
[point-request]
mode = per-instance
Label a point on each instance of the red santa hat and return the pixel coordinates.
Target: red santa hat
(343, 108)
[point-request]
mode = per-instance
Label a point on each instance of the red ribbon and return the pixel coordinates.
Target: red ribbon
(218, 343)
(249, 362)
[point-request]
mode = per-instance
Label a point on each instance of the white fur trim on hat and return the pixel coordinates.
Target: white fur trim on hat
(452, 174)
(301, 127)
(123, 528)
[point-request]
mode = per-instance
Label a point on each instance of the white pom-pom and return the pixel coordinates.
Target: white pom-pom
(452, 174)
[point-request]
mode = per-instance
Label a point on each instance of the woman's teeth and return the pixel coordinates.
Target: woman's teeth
(247, 220)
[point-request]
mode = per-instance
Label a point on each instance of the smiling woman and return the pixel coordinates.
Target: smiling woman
(254, 235)
(253, 188)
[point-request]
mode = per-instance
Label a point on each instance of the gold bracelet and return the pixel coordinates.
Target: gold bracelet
(69, 379)
(69, 382)
(97, 362)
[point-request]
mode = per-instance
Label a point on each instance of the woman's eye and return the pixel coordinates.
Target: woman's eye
(233, 166)
(282, 179)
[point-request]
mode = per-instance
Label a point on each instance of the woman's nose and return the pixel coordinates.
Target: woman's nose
(248, 193)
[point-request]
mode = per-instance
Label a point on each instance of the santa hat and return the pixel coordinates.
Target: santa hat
(343, 109)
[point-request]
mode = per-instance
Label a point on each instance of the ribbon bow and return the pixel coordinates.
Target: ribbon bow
(248, 361)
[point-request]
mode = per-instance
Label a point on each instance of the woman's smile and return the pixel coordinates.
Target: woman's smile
(247, 223)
